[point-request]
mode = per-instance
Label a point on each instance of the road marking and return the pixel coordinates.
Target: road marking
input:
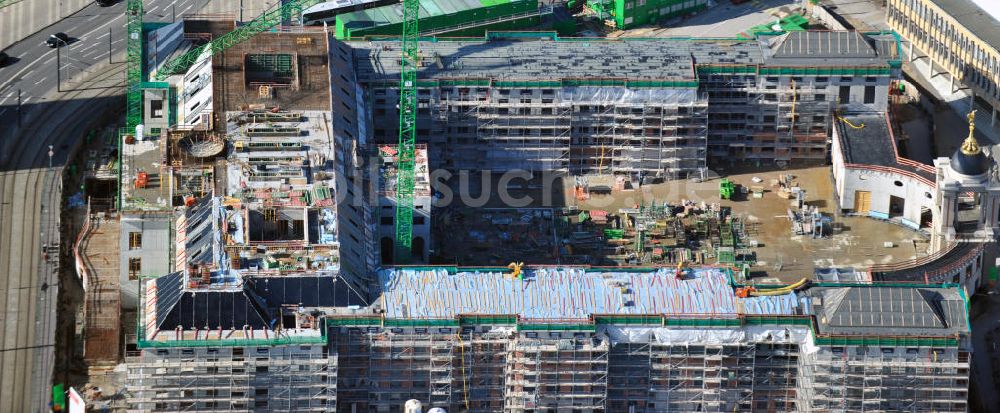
(40, 81)
(90, 53)
(93, 17)
(44, 55)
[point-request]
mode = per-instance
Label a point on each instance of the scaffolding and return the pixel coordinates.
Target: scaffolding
(886, 378)
(487, 365)
(99, 254)
(276, 378)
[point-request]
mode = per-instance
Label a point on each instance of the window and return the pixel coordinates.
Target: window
(819, 97)
(134, 268)
(869, 94)
(134, 240)
(845, 95)
(156, 109)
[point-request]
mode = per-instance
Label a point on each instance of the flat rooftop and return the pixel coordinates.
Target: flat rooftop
(866, 139)
(145, 157)
(568, 293)
(284, 69)
(631, 59)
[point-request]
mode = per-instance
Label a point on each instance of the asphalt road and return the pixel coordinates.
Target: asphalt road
(30, 190)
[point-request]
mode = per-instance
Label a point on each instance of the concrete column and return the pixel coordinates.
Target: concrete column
(912, 58)
(930, 68)
(993, 117)
(951, 83)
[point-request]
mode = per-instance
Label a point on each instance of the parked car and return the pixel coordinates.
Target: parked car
(105, 3)
(57, 40)
(3, 58)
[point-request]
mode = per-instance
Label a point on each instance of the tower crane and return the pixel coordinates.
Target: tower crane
(405, 161)
(262, 23)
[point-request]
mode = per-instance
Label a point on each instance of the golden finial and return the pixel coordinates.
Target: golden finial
(970, 146)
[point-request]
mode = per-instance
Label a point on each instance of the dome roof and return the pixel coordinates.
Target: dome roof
(969, 159)
(967, 163)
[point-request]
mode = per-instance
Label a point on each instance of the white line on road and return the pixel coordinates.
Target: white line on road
(40, 81)
(93, 17)
(90, 53)
(43, 56)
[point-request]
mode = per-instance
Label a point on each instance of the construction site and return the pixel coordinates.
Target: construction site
(349, 216)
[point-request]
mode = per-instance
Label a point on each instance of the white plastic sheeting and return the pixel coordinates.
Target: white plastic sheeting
(775, 304)
(701, 335)
(565, 293)
(621, 95)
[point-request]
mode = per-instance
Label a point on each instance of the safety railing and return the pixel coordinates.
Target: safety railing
(914, 263)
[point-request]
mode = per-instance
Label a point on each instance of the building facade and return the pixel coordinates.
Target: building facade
(646, 108)
(826, 347)
(958, 37)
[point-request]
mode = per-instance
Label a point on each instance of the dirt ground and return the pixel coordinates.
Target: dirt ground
(472, 235)
(859, 243)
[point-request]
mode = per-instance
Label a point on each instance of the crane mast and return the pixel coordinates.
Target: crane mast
(405, 160)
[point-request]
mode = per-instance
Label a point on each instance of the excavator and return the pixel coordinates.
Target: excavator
(749, 291)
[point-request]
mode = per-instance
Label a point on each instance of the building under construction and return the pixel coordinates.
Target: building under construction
(655, 108)
(548, 339)
(277, 150)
